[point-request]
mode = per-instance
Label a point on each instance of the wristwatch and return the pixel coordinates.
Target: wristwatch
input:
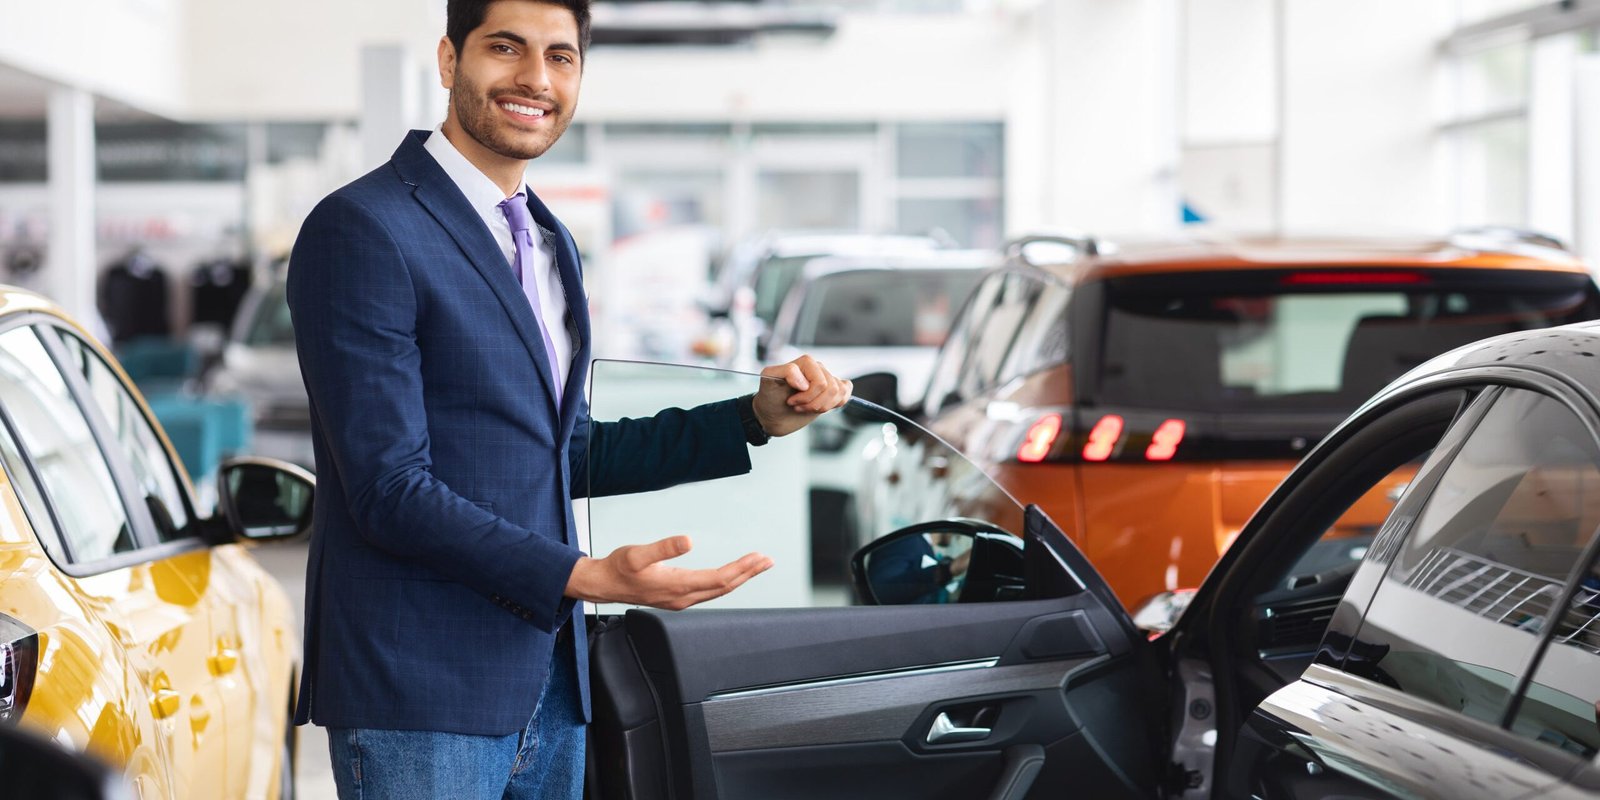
(754, 434)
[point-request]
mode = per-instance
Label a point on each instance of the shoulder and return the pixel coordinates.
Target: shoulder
(377, 195)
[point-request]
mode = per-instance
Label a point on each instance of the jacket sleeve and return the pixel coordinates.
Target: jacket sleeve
(643, 455)
(355, 311)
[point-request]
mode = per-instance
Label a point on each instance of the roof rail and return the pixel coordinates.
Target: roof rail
(1503, 235)
(1082, 245)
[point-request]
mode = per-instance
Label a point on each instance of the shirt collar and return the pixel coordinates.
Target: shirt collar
(481, 193)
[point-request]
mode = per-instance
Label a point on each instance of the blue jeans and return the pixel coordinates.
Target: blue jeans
(542, 762)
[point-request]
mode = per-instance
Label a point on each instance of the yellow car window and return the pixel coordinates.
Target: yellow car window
(57, 439)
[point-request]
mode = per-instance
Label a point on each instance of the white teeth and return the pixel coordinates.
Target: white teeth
(521, 109)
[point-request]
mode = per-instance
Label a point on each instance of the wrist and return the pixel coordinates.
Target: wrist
(755, 431)
(584, 582)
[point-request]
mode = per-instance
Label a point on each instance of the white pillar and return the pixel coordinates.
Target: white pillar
(1551, 147)
(391, 101)
(1360, 118)
(1110, 115)
(70, 264)
(1586, 102)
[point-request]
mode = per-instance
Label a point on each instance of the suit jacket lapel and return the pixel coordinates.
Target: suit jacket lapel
(567, 263)
(439, 195)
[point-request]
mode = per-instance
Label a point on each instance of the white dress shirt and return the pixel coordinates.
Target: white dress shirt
(485, 198)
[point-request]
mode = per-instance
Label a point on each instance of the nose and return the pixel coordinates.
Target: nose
(534, 75)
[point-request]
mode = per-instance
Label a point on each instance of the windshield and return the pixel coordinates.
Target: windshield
(882, 308)
(1312, 340)
(809, 501)
(774, 276)
(268, 321)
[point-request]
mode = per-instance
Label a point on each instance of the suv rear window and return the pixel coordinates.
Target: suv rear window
(1315, 340)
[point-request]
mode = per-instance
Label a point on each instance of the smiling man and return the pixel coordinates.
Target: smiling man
(443, 334)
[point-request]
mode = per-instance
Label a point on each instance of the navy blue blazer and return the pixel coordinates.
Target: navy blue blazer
(443, 535)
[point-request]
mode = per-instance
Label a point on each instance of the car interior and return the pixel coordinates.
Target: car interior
(1267, 621)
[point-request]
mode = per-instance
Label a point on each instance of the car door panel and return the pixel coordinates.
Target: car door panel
(840, 702)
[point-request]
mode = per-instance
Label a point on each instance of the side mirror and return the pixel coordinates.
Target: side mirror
(31, 766)
(878, 388)
(950, 561)
(264, 498)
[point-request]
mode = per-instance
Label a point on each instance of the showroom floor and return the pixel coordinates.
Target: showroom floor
(287, 563)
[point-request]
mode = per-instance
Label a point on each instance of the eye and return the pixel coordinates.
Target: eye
(564, 59)
(503, 48)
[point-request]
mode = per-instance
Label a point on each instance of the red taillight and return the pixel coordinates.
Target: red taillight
(19, 663)
(1164, 444)
(1352, 277)
(1041, 437)
(1103, 438)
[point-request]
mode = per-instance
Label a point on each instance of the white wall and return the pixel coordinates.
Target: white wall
(1229, 123)
(127, 50)
(1111, 131)
(295, 59)
(944, 67)
(1359, 116)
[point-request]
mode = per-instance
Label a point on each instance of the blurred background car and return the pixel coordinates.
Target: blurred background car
(1150, 399)
(762, 268)
(135, 626)
(860, 315)
(259, 365)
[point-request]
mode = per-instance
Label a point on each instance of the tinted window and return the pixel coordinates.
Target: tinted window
(158, 481)
(1562, 704)
(1459, 613)
(882, 308)
(58, 440)
(993, 340)
(1042, 342)
(1314, 341)
(942, 386)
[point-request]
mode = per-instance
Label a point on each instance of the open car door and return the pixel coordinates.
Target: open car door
(964, 650)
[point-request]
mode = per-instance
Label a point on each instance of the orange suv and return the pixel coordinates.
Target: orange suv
(1149, 399)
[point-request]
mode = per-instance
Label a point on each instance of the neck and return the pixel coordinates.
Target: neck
(506, 173)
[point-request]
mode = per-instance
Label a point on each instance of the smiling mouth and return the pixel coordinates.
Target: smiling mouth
(522, 111)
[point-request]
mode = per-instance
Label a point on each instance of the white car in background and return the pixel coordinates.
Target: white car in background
(859, 316)
(259, 365)
(866, 314)
(760, 269)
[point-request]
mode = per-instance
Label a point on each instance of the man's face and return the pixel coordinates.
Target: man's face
(514, 85)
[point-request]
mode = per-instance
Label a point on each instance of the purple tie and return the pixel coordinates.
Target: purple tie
(516, 210)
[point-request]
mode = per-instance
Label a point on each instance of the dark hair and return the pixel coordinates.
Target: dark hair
(464, 16)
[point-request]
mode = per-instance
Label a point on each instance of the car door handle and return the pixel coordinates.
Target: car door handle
(946, 732)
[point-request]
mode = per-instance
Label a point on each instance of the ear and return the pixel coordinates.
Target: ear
(447, 63)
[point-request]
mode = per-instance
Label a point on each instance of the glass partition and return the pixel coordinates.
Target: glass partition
(811, 500)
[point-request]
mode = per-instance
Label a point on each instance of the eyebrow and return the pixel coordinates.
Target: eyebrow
(519, 39)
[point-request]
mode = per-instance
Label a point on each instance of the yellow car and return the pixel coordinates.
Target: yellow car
(132, 626)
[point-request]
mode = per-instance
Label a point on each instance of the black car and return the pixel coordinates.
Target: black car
(1454, 652)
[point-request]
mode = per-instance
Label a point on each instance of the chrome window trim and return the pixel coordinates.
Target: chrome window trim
(864, 677)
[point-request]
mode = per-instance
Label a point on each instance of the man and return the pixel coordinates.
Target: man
(443, 335)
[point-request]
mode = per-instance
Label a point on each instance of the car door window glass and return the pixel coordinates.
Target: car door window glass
(1459, 613)
(811, 508)
(1562, 704)
(57, 438)
(152, 468)
(1042, 341)
(29, 495)
(993, 340)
